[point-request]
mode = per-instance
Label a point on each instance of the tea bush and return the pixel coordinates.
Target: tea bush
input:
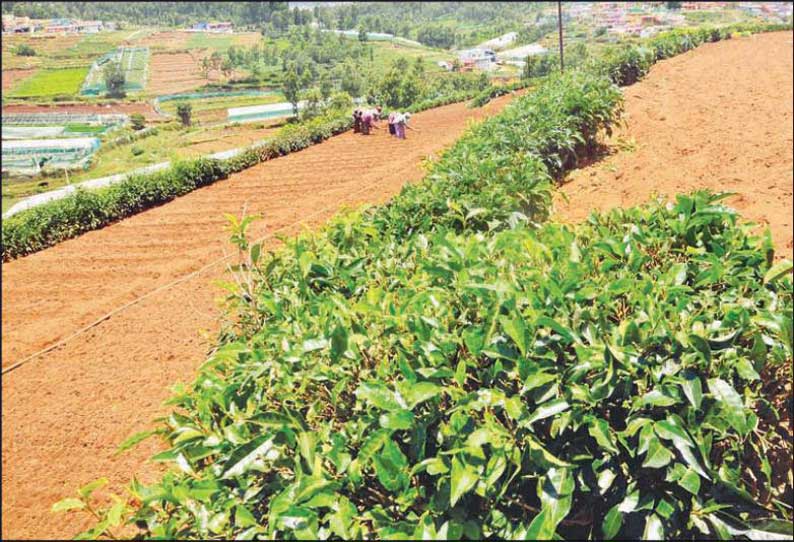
(447, 367)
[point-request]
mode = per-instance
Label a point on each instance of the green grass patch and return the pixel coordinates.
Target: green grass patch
(47, 83)
(215, 42)
(85, 128)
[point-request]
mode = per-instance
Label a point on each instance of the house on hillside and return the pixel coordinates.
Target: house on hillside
(60, 26)
(89, 27)
(212, 27)
(220, 27)
(482, 59)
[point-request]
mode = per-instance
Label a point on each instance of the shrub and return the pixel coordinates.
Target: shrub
(136, 151)
(138, 121)
(25, 50)
(114, 80)
(184, 111)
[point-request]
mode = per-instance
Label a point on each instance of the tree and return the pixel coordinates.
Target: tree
(326, 87)
(216, 60)
(350, 77)
(185, 112)
(25, 50)
(114, 80)
(313, 100)
(292, 87)
(205, 68)
(138, 121)
(436, 35)
(539, 65)
(227, 68)
(673, 5)
(340, 101)
(362, 34)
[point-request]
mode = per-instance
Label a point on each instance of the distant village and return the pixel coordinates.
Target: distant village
(26, 25)
(617, 19)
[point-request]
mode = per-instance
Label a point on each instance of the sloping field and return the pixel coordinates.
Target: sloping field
(67, 410)
(12, 77)
(171, 73)
(720, 118)
(165, 40)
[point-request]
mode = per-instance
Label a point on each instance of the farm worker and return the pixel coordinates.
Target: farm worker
(377, 113)
(401, 123)
(356, 121)
(366, 121)
(392, 118)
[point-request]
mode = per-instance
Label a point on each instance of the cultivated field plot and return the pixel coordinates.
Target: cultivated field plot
(44, 45)
(48, 83)
(167, 41)
(131, 358)
(684, 132)
(12, 77)
(171, 73)
(221, 42)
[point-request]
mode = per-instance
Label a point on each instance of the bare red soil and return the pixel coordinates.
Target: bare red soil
(718, 118)
(171, 73)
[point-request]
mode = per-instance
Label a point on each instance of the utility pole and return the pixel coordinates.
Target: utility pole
(559, 26)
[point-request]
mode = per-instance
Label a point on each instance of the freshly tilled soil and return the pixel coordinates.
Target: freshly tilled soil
(719, 118)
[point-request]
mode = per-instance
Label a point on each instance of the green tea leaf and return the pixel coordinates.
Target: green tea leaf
(778, 270)
(658, 456)
(242, 458)
(613, 520)
(600, 431)
(462, 480)
(653, 528)
(552, 408)
(731, 404)
(68, 504)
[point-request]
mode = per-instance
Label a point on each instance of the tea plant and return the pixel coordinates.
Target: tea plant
(445, 366)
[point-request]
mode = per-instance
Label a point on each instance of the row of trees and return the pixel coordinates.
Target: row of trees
(147, 13)
(438, 24)
(403, 84)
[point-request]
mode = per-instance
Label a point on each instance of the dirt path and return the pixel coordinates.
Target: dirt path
(66, 411)
(720, 118)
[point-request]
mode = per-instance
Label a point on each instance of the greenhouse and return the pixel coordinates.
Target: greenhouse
(30, 155)
(32, 132)
(62, 119)
(262, 112)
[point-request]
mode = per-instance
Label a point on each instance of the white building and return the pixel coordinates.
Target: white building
(521, 53)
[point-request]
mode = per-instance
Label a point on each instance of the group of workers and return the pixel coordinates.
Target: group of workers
(365, 120)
